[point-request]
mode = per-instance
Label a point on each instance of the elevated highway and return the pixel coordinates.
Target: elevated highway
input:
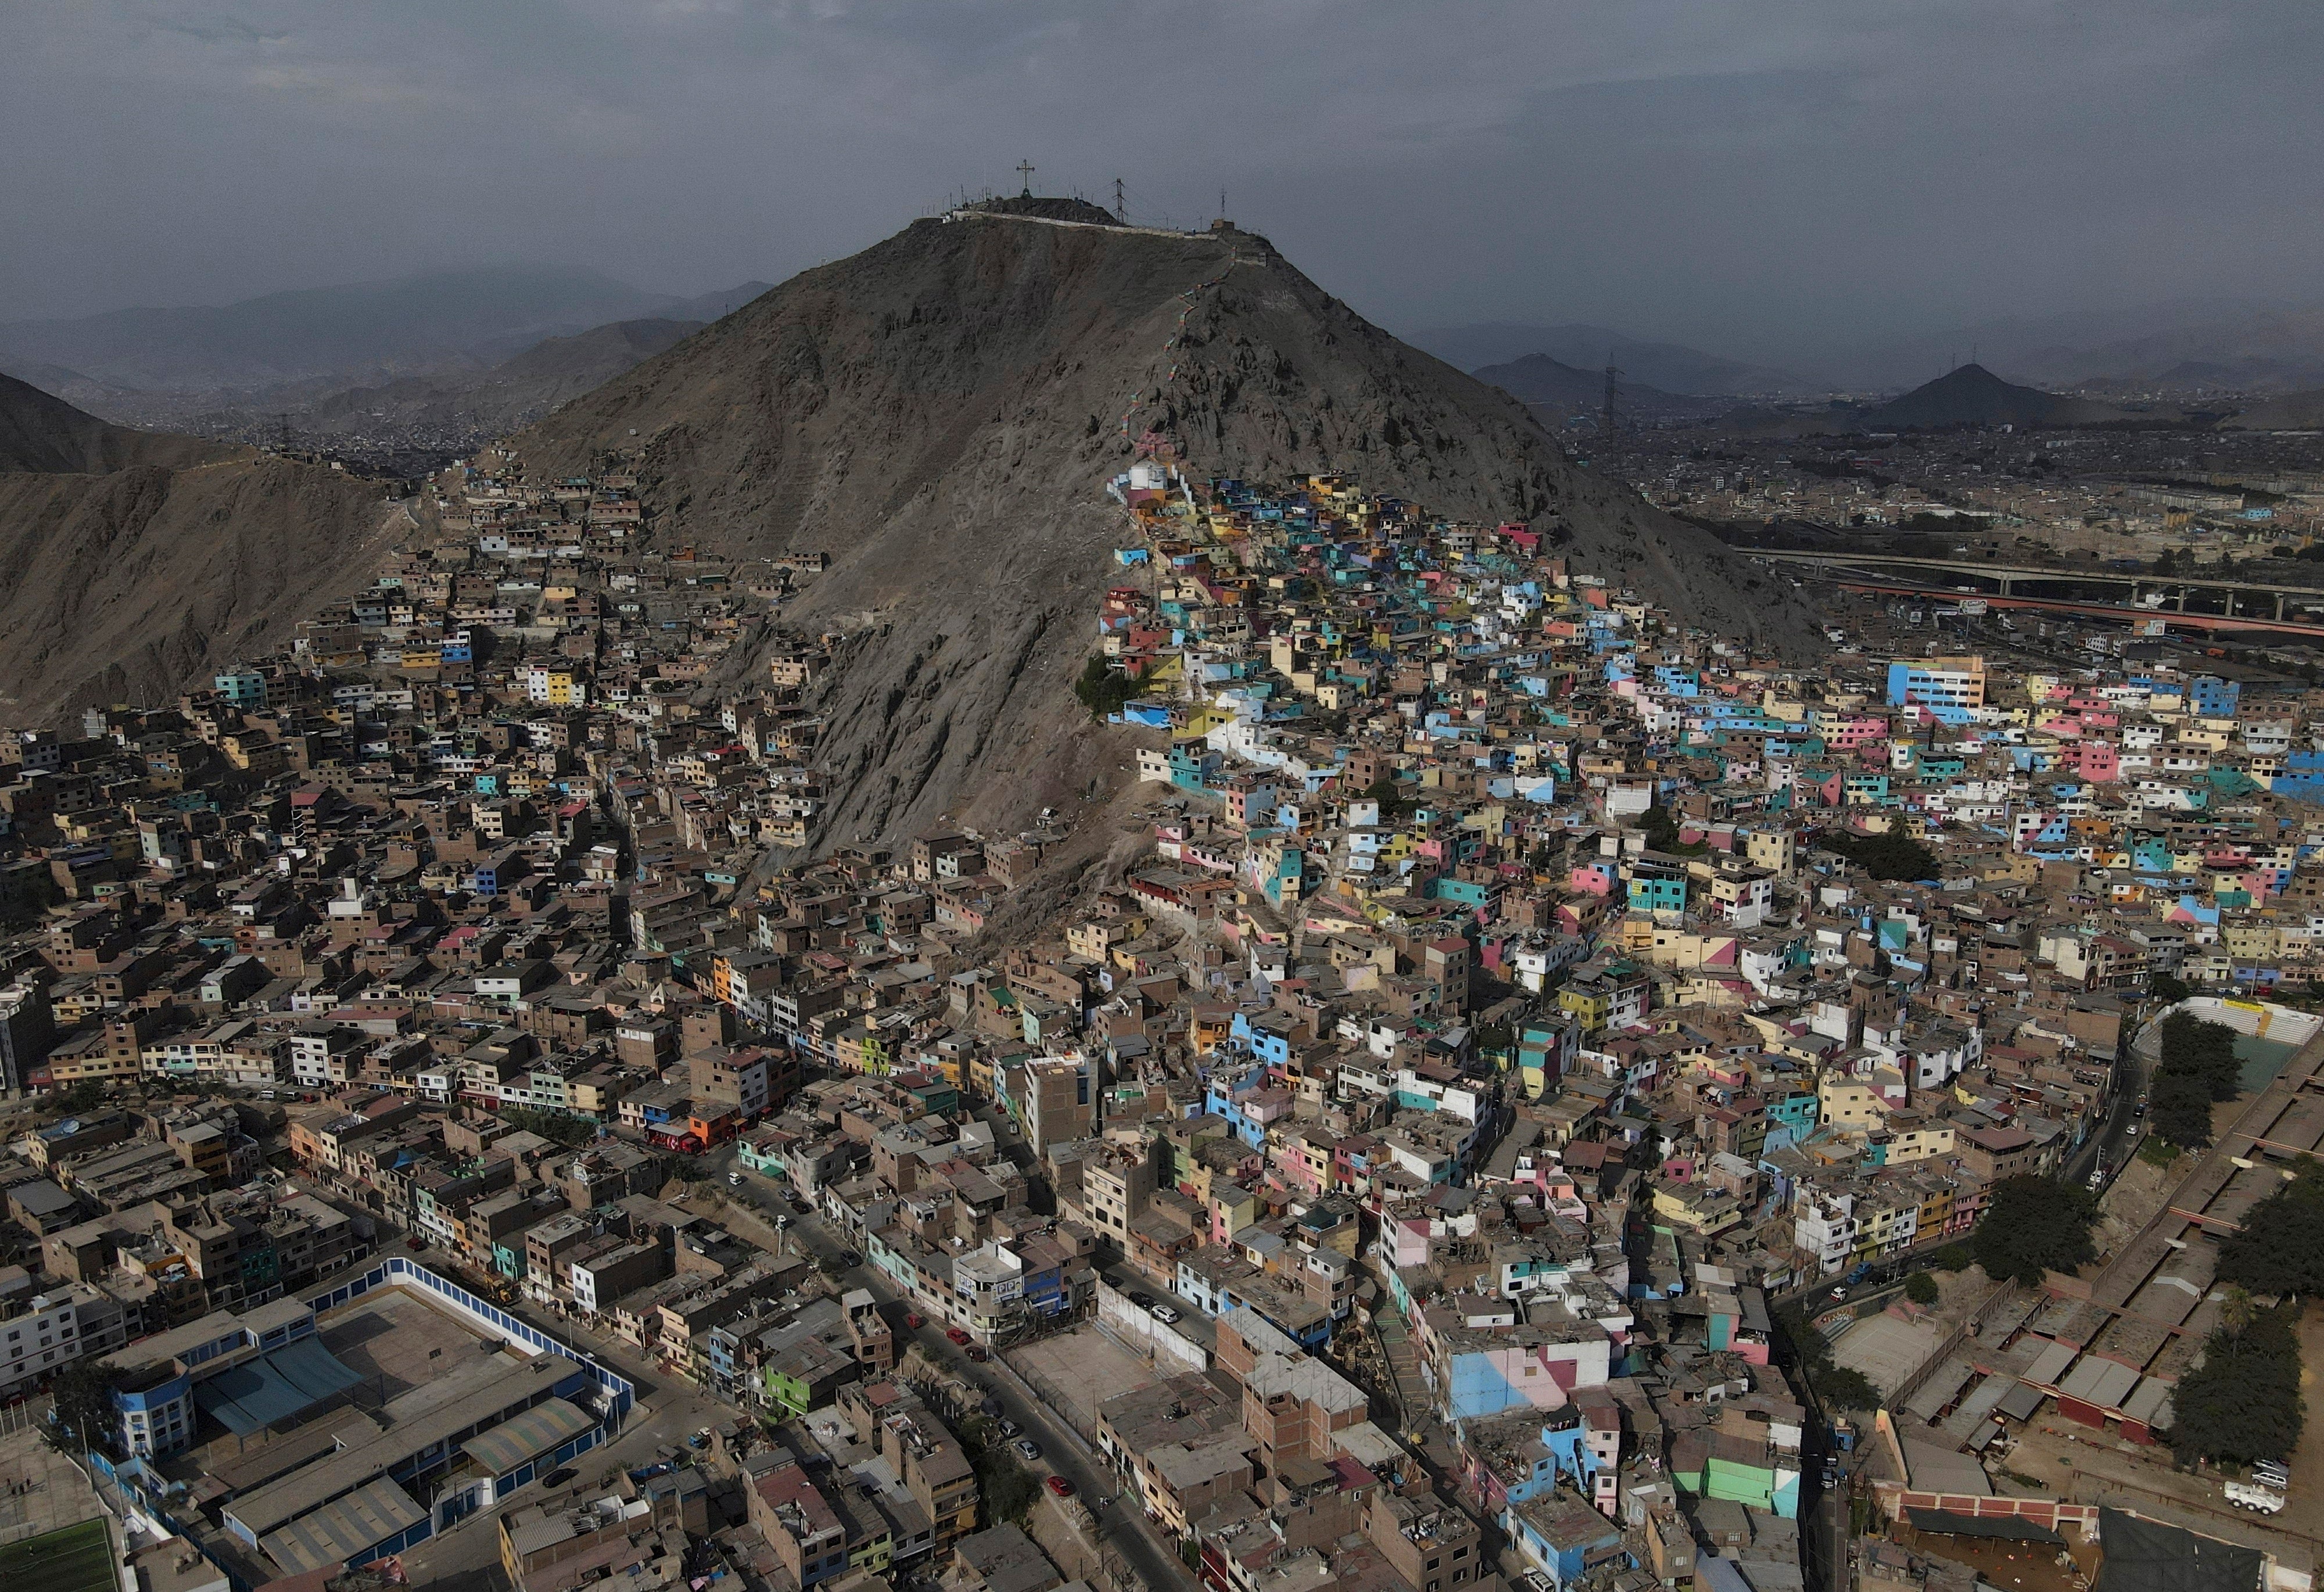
(2277, 593)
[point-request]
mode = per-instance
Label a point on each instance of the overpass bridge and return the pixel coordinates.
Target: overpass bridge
(2009, 580)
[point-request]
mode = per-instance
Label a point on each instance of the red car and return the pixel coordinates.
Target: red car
(1061, 1487)
(957, 1336)
(914, 1320)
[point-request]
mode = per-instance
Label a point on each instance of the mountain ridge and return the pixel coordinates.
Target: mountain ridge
(1670, 367)
(143, 560)
(351, 332)
(939, 413)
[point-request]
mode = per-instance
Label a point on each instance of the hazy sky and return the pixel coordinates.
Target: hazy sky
(1751, 175)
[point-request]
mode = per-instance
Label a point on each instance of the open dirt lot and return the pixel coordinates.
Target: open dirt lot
(1885, 1349)
(2064, 1459)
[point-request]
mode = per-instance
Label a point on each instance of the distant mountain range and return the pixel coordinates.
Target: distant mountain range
(554, 371)
(2179, 348)
(1670, 367)
(365, 332)
(1967, 395)
(2175, 349)
(1560, 389)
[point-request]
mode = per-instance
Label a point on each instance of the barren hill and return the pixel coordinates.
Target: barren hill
(2290, 411)
(551, 371)
(1972, 395)
(40, 432)
(940, 414)
(139, 561)
(1557, 389)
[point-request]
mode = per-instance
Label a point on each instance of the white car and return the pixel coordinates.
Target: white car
(1163, 1313)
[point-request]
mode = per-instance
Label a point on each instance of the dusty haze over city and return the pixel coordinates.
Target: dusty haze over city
(1785, 182)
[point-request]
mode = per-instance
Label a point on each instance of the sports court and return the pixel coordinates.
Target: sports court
(77, 1559)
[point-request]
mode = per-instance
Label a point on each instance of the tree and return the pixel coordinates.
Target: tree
(1102, 688)
(2032, 1226)
(2163, 987)
(556, 1126)
(2202, 1050)
(2279, 1247)
(2243, 1401)
(1893, 855)
(1846, 1389)
(87, 1095)
(1954, 1257)
(2180, 1108)
(1921, 1288)
(1810, 1348)
(84, 1404)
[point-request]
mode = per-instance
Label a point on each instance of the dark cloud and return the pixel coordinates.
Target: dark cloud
(1759, 176)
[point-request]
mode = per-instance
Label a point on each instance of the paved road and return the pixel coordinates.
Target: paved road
(2114, 1141)
(1122, 1524)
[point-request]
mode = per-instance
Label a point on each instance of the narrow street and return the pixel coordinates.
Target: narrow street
(1121, 1522)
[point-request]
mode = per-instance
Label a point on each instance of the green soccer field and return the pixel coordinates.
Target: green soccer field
(77, 1559)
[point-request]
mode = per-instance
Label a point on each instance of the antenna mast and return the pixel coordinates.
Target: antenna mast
(1120, 210)
(1605, 421)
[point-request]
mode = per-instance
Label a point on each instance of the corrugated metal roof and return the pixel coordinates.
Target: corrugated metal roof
(2100, 1382)
(538, 1430)
(338, 1531)
(2051, 1364)
(276, 1386)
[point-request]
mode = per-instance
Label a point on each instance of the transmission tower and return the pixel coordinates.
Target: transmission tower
(1120, 209)
(1606, 420)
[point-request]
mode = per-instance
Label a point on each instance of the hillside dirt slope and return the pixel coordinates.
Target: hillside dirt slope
(554, 371)
(140, 561)
(941, 413)
(42, 432)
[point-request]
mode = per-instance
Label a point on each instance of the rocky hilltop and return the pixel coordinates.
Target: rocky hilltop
(139, 560)
(940, 414)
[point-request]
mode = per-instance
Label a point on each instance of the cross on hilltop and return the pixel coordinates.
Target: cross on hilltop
(1025, 170)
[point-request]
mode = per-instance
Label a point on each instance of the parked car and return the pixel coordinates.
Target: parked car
(957, 1336)
(1026, 1447)
(976, 1352)
(1163, 1313)
(914, 1320)
(2130, 1130)
(1142, 1301)
(1009, 1428)
(1061, 1487)
(735, 1180)
(1838, 1295)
